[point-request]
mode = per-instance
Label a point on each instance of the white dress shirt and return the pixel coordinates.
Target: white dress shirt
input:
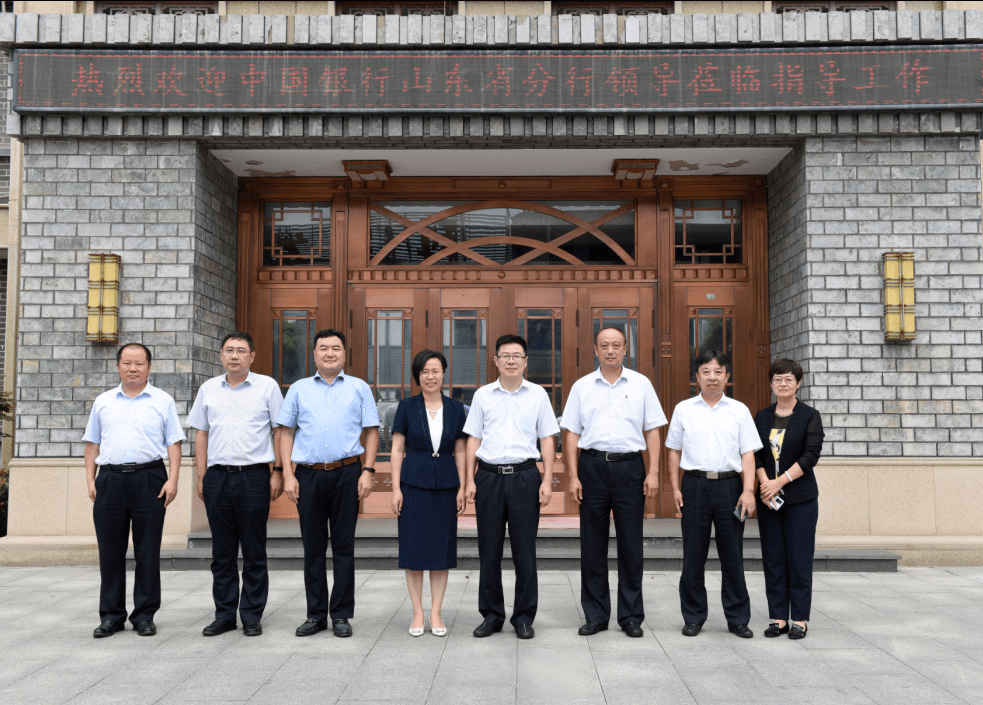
(613, 417)
(136, 430)
(239, 420)
(712, 439)
(436, 424)
(510, 423)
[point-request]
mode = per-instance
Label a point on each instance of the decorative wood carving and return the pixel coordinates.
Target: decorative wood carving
(710, 273)
(454, 275)
(632, 173)
(368, 174)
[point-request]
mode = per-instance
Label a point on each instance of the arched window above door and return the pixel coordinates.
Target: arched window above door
(502, 232)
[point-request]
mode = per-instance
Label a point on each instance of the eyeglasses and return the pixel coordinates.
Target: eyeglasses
(783, 380)
(235, 351)
(506, 358)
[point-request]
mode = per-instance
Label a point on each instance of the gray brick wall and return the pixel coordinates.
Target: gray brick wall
(216, 198)
(788, 261)
(152, 202)
(862, 197)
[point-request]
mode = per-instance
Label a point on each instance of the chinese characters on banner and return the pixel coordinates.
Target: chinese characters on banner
(645, 81)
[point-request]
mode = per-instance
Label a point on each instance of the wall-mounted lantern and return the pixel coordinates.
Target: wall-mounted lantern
(899, 295)
(103, 314)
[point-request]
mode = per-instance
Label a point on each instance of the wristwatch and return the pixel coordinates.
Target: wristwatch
(277, 468)
(370, 469)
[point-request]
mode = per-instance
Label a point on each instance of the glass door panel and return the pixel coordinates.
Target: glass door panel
(624, 319)
(542, 329)
(710, 329)
(465, 345)
(293, 338)
(389, 351)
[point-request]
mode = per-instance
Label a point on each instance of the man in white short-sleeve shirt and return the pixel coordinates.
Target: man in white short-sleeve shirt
(611, 416)
(234, 415)
(712, 440)
(506, 419)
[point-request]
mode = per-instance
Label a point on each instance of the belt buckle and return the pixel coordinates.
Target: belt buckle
(713, 475)
(133, 467)
(506, 469)
(234, 468)
(608, 458)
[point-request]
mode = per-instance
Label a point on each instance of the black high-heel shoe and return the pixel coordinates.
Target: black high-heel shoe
(797, 632)
(774, 630)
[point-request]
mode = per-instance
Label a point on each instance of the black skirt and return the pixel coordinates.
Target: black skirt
(428, 529)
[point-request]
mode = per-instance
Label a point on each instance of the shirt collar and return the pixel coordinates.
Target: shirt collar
(148, 390)
(319, 378)
(598, 376)
(497, 384)
(250, 376)
(723, 400)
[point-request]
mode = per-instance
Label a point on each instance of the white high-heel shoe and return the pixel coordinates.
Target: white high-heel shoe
(416, 631)
(438, 631)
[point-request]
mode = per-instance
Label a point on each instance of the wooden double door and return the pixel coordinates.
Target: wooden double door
(464, 322)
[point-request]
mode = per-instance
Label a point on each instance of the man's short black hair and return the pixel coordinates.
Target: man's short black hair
(239, 335)
(617, 328)
(330, 333)
(511, 340)
(785, 367)
(421, 360)
(119, 353)
(713, 356)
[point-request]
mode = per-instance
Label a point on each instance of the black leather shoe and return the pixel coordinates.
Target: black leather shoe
(774, 630)
(251, 627)
(525, 631)
(219, 626)
(741, 630)
(633, 630)
(146, 628)
(592, 628)
(107, 628)
(485, 629)
(341, 627)
(692, 629)
(797, 632)
(312, 627)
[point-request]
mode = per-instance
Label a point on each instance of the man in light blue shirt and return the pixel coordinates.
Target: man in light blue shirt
(611, 416)
(131, 429)
(235, 442)
(324, 418)
(506, 419)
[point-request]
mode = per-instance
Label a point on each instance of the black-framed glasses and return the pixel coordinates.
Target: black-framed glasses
(506, 358)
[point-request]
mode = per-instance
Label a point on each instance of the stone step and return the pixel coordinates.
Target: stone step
(656, 559)
(376, 548)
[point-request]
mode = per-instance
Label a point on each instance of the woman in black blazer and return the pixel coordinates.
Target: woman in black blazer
(788, 505)
(428, 485)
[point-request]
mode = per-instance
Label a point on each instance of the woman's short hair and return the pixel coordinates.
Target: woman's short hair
(785, 367)
(421, 360)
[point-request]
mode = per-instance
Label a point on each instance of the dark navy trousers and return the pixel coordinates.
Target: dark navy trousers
(329, 501)
(126, 500)
(788, 544)
(513, 500)
(238, 507)
(709, 503)
(611, 487)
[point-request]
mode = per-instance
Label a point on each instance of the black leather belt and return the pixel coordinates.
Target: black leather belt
(133, 467)
(239, 468)
(611, 457)
(506, 469)
(713, 475)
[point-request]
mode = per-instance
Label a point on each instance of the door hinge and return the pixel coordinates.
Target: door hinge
(349, 319)
(577, 321)
(578, 357)
(426, 319)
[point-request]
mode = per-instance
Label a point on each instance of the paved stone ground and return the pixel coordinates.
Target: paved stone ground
(908, 637)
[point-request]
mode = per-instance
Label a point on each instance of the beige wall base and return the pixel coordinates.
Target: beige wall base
(49, 498)
(23, 551)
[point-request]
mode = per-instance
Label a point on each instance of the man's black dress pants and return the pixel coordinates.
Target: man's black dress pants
(125, 500)
(513, 500)
(238, 507)
(611, 486)
(709, 503)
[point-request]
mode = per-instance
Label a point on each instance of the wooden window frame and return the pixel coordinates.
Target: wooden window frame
(402, 9)
(585, 7)
(156, 7)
